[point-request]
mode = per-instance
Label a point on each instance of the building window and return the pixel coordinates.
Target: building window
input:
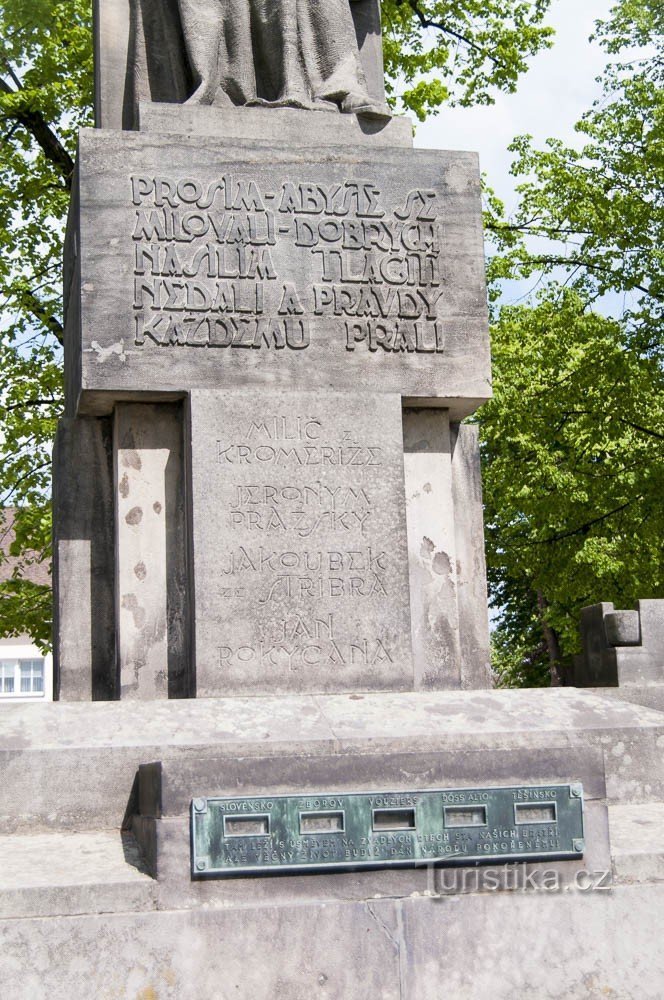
(22, 676)
(32, 676)
(7, 672)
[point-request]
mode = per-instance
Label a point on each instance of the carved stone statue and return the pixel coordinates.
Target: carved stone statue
(293, 53)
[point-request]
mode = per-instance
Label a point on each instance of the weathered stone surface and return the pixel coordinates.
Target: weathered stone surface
(266, 952)
(431, 549)
(152, 587)
(67, 748)
(336, 271)
(621, 647)
(60, 874)
(275, 126)
(650, 695)
(83, 561)
(450, 625)
(470, 561)
(474, 944)
(577, 945)
(299, 543)
(159, 51)
(636, 842)
(622, 628)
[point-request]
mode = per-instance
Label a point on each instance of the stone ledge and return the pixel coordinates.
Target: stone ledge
(264, 723)
(637, 848)
(280, 126)
(72, 766)
(72, 873)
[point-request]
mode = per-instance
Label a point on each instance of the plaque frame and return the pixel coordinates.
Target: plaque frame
(415, 816)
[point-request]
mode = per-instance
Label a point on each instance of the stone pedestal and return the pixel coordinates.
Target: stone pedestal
(270, 580)
(283, 343)
(104, 918)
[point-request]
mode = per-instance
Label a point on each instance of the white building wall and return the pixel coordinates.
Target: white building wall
(26, 674)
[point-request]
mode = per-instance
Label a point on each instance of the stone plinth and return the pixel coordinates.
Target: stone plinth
(394, 932)
(224, 276)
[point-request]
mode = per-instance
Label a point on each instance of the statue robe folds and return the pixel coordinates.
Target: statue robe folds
(294, 53)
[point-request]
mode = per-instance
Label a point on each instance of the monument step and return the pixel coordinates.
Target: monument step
(637, 845)
(649, 695)
(72, 766)
(532, 944)
(74, 873)
(66, 874)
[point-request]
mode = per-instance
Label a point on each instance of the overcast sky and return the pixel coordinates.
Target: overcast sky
(559, 86)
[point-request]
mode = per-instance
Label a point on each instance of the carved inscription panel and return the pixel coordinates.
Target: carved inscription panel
(301, 571)
(203, 265)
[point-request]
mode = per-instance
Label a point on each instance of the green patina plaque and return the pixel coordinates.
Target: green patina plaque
(325, 831)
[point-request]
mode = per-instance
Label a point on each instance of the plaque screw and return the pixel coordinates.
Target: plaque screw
(576, 792)
(200, 865)
(199, 805)
(578, 845)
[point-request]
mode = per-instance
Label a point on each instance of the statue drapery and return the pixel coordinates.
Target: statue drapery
(294, 53)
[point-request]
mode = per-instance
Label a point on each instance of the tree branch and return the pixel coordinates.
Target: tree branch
(39, 311)
(28, 402)
(545, 259)
(584, 528)
(644, 430)
(35, 123)
(428, 22)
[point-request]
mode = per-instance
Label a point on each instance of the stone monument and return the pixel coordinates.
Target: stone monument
(270, 348)
(275, 720)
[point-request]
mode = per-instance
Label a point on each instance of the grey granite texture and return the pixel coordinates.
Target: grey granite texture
(340, 270)
(61, 874)
(276, 126)
(299, 543)
(549, 945)
(83, 561)
(152, 611)
(621, 647)
(82, 759)
(472, 599)
(281, 53)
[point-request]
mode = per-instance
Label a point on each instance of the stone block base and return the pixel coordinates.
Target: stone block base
(498, 945)
(84, 914)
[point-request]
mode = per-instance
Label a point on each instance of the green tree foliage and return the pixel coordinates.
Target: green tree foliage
(435, 52)
(573, 440)
(458, 51)
(574, 474)
(45, 91)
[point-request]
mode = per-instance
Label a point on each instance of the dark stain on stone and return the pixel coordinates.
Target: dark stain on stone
(130, 603)
(135, 516)
(427, 487)
(132, 460)
(426, 548)
(441, 564)
(124, 486)
(140, 570)
(156, 506)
